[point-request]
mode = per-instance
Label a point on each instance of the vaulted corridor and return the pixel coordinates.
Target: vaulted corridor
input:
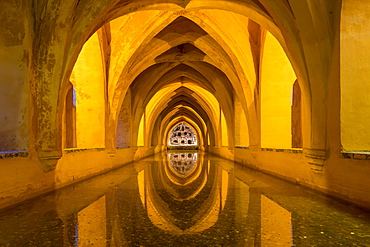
(281, 86)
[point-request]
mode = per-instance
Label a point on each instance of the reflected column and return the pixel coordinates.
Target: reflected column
(276, 224)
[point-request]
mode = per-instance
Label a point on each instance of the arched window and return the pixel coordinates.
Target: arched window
(182, 135)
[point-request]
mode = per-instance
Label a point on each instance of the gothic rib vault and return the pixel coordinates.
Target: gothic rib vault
(258, 80)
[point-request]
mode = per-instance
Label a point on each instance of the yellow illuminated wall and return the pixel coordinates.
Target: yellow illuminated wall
(14, 99)
(241, 126)
(140, 136)
(124, 123)
(354, 76)
(88, 79)
(225, 141)
(276, 90)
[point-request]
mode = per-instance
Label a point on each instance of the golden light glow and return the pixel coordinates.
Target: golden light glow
(277, 220)
(241, 126)
(277, 80)
(355, 74)
(141, 67)
(140, 137)
(190, 122)
(92, 224)
(225, 140)
(88, 80)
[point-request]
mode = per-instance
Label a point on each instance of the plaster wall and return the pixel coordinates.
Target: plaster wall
(224, 152)
(23, 178)
(342, 178)
(277, 79)
(124, 123)
(142, 152)
(354, 75)
(14, 58)
(141, 132)
(88, 79)
(241, 126)
(223, 128)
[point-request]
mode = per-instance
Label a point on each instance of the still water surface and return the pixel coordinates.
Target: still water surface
(184, 199)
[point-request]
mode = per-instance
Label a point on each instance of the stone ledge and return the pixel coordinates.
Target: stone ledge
(13, 154)
(283, 150)
(183, 147)
(242, 147)
(122, 147)
(75, 150)
(360, 155)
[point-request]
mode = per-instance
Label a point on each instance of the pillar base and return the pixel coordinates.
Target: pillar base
(254, 150)
(49, 159)
(316, 159)
(112, 153)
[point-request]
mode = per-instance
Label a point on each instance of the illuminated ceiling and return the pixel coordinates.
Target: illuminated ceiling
(184, 66)
(190, 60)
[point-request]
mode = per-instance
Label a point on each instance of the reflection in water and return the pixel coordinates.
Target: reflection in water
(180, 202)
(183, 163)
(91, 224)
(276, 224)
(163, 202)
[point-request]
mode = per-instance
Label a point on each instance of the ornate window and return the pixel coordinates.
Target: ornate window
(182, 135)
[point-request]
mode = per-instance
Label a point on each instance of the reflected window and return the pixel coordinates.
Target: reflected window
(182, 135)
(183, 163)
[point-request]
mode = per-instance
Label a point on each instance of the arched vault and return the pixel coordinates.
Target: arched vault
(148, 44)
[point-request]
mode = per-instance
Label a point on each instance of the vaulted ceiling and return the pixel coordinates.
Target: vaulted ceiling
(216, 46)
(195, 72)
